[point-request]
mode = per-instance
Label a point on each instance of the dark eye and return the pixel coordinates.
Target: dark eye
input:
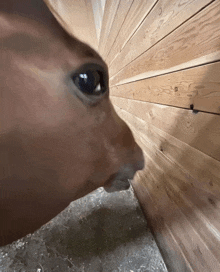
(90, 80)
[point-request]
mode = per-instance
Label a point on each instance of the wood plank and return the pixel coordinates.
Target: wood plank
(203, 226)
(163, 19)
(196, 191)
(159, 178)
(184, 206)
(171, 251)
(201, 130)
(162, 190)
(111, 7)
(96, 6)
(137, 13)
(103, 5)
(184, 156)
(197, 252)
(170, 179)
(194, 43)
(196, 86)
(121, 13)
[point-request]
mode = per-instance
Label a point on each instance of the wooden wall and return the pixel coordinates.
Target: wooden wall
(98, 7)
(164, 65)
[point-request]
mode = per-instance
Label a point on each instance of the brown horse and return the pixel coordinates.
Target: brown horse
(60, 136)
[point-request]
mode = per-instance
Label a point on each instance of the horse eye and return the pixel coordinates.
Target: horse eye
(90, 82)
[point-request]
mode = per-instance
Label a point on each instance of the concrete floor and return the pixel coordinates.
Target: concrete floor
(98, 233)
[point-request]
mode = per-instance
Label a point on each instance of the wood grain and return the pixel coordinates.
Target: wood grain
(201, 130)
(170, 249)
(187, 157)
(119, 18)
(136, 14)
(183, 199)
(194, 43)
(111, 7)
(198, 86)
(162, 20)
(98, 15)
(177, 231)
(185, 209)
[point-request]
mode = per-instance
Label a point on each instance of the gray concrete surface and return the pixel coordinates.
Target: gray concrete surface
(98, 233)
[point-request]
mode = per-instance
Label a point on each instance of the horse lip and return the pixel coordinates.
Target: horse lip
(110, 179)
(117, 183)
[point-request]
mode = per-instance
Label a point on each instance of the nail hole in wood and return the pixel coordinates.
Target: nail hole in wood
(192, 108)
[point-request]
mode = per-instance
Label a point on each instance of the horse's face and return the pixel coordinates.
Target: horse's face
(60, 136)
(56, 100)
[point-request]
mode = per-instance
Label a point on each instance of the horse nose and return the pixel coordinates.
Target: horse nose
(122, 179)
(139, 158)
(125, 154)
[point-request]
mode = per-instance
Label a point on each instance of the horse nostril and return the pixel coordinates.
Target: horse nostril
(121, 180)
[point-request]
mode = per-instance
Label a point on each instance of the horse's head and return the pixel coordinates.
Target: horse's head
(60, 135)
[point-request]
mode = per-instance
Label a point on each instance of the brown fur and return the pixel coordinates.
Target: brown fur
(55, 147)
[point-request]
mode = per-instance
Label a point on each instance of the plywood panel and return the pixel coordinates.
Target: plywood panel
(121, 13)
(199, 130)
(111, 7)
(198, 86)
(194, 43)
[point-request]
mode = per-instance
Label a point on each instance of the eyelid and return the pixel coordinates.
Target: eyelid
(91, 99)
(92, 66)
